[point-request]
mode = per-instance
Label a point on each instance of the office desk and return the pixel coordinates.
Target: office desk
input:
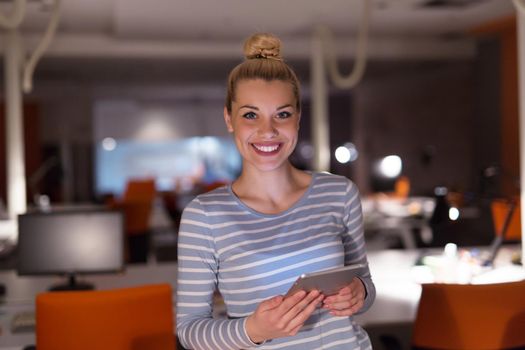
(397, 283)
(396, 216)
(21, 292)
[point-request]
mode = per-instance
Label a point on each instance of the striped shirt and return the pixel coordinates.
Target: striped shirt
(250, 257)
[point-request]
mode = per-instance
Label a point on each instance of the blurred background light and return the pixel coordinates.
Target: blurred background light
(109, 144)
(391, 166)
(453, 213)
(306, 150)
(346, 153)
(440, 191)
(342, 154)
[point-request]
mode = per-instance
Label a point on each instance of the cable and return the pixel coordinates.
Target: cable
(361, 53)
(41, 47)
(17, 15)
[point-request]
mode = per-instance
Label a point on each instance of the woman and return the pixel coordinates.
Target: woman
(250, 240)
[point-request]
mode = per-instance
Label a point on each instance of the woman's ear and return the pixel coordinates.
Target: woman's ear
(228, 120)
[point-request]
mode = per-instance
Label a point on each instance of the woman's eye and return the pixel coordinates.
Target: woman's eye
(284, 114)
(249, 115)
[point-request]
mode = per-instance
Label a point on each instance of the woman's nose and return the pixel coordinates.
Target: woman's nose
(267, 128)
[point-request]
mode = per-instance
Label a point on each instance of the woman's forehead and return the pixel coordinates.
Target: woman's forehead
(262, 91)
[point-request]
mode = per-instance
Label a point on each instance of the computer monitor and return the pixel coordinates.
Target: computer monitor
(70, 243)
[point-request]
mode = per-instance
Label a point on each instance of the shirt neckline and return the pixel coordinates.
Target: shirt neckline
(284, 212)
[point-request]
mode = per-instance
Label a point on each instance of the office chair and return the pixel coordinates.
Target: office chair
(456, 316)
(506, 217)
(138, 318)
(137, 205)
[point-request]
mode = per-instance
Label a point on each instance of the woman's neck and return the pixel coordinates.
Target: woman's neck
(273, 191)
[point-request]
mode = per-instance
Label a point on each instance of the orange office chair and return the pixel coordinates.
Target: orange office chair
(500, 210)
(456, 316)
(402, 187)
(138, 318)
(137, 204)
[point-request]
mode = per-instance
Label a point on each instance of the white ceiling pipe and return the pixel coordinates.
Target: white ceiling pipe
(16, 178)
(14, 57)
(320, 121)
(323, 53)
(520, 7)
(14, 135)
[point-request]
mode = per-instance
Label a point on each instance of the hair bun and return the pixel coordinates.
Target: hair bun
(262, 45)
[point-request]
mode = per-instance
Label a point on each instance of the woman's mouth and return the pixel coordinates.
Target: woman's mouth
(266, 149)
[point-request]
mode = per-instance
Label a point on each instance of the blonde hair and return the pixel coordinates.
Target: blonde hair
(262, 52)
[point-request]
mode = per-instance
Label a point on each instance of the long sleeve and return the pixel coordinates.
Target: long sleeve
(196, 283)
(251, 257)
(354, 241)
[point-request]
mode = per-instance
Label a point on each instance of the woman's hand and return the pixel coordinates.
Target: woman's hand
(281, 317)
(348, 301)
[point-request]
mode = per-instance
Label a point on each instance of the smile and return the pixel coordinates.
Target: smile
(266, 148)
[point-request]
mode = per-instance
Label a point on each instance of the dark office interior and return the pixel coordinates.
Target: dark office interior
(453, 120)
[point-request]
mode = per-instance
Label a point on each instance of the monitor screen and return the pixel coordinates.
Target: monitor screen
(174, 164)
(70, 242)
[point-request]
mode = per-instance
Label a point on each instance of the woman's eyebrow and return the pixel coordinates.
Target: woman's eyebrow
(249, 106)
(284, 106)
(256, 108)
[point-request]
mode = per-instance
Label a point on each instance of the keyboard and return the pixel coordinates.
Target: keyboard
(23, 322)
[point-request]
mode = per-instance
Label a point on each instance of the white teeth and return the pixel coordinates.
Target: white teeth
(266, 148)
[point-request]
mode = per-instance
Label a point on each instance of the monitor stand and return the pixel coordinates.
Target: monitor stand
(72, 285)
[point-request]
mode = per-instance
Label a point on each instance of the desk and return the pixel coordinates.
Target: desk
(394, 216)
(21, 292)
(398, 285)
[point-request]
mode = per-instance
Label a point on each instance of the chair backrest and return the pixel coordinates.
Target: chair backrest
(140, 190)
(500, 209)
(138, 318)
(455, 316)
(402, 187)
(137, 204)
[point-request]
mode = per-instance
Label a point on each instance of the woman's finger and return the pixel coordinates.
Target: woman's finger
(298, 320)
(299, 306)
(346, 308)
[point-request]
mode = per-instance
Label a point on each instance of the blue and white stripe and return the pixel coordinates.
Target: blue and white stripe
(250, 257)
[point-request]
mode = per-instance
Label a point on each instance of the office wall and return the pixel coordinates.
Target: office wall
(406, 107)
(32, 148)
(487, 121)
(66, 130)
(422, 112)
(503, 32)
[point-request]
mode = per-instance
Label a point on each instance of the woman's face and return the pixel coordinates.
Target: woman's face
(264, 122)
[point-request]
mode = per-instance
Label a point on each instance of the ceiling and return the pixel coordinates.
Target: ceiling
(206, 28)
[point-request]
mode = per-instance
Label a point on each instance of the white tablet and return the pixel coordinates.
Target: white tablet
(327, 282)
